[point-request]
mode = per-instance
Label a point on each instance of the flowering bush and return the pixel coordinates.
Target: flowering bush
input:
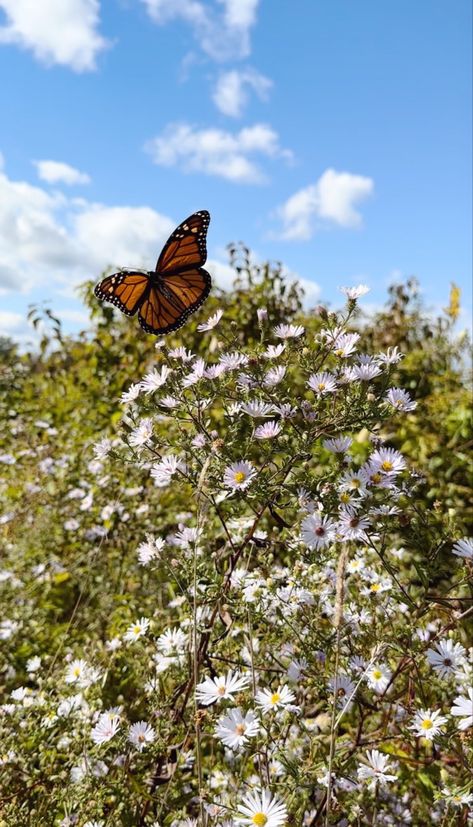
(230, 607)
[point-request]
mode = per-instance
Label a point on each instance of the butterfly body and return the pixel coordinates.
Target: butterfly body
(165, 297)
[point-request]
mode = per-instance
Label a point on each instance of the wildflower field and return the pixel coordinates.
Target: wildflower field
(236, 576)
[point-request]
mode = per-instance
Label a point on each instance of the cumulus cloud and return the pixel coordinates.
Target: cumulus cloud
(231, 91)
(332, 200)
(63, 32)
(56, 172)
(221, 27)
(49, 239)
(217, 152)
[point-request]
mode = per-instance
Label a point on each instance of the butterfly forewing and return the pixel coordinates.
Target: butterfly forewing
(186, 247)
(126, 290)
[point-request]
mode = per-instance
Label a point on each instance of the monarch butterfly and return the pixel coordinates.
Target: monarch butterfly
(165, 297)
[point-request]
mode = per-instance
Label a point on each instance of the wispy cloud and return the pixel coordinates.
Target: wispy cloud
(217, 152)
(331, 200)
(222, 29)
(57, 172)
(61, 32)
(231, 92)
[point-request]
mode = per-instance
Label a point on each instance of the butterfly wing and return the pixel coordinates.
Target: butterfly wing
(186, 247)
(172, 299)
(126, 290)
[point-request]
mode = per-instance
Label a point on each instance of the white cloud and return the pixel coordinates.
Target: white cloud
(217, 152)
(231, 92)
(55, 172)
(10, 321)
(332, 199)
(222, 29)
(57, 31)
(49, 239)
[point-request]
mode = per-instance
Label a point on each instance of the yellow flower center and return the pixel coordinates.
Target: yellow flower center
(240, 729)
(339, 352)
(275, 698)
(387, 466)
(321, 387)
(345, 497)
(76, 672)
(427, 724)
(221, 690)
(137, 629)
(376, 478)
(375, 587)
(260, 819)
(355, 483)
(377, 674)
(239, 476)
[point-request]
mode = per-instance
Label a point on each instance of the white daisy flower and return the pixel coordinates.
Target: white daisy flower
(343, 688)
(142, 433)
(457, 797)
(232, 361)
(234, 729)
(211, 322)
(391, 357)
(338, 445)
(288, 331)
(274, 351)
(76, 672)
(400, 400)
(378, 678)
(463, 708)
(322, 383)
(317, 531)
(464, 548)
(155, 379)
(376, 770)
(268, 431)
(428, 723)
(213, 690)
(239, 475)
(268, 700)
(101, 450)
(182, 354)
(446, 657)
(169, 402)
(345, 344)
(388, 460)
(355, 293)
(261, 808)
(33, 664)
(141, 734)
(131, 394)
(274, 376)
(257, 408)
(149, 550)
(172, 642)
(365, 372)
(106, 727)
(136, 630)
(163, 471)
(351, 525)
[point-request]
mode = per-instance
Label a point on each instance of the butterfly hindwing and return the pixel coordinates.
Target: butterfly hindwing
(172, 299)
(186, 247)
(126, 290)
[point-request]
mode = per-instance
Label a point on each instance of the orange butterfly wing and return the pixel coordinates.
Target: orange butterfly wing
(126, 290)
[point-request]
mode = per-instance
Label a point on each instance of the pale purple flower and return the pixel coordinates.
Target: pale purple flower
(376, 770)
(288, 331)
(274, 376)
(365, 372)
(268, 431)
(351, 525)
(338, 445)
(211, 322)
(142, 433)
(106, 727)
(239, 475)
(235, 728)
(131, 394)
(463, 708)
(464, 548)
(391, 357)
(182, 354)
(322, 383)
(354, 293)
(388, 460)
(400, 400)
(163, 471)
(256, 408)
(317, 531)
(446, 657)
(345, 344)
(232, 361)
(141, 734)
(273, 351)
(155, 379)
(213, 690)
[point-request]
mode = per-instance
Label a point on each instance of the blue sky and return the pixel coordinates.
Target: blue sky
(331, 135)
